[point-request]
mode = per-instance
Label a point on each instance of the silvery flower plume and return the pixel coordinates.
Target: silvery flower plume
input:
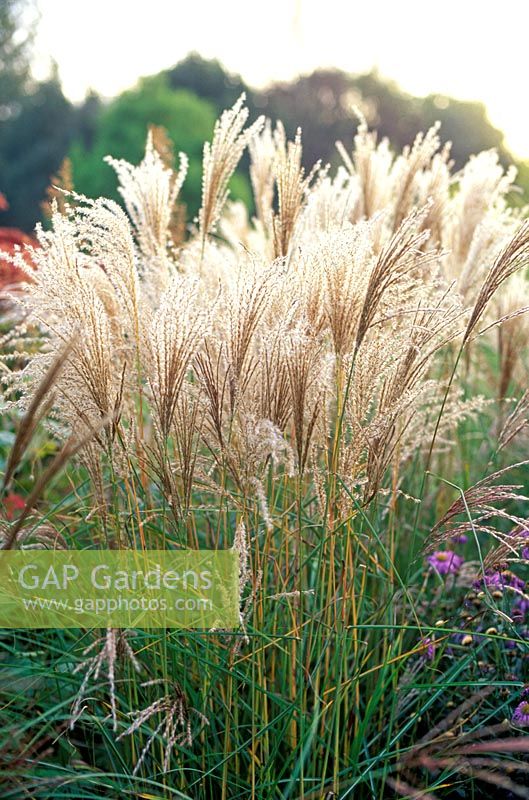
(109, 649)
(175, 725)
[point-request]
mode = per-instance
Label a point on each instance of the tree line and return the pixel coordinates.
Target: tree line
(40, 127)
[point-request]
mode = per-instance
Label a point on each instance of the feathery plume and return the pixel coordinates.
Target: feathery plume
(221, 157)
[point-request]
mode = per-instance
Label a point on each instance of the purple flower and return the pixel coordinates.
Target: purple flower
(525, 550)
(445, 561)
(521, 714)
(521, 606)
(430, 649)
(460, 538)
(510, 644)
(498, 580)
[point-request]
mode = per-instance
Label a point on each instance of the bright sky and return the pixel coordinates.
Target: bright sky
(470, 49)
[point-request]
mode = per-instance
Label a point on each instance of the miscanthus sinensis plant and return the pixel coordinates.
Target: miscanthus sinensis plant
(333, 384)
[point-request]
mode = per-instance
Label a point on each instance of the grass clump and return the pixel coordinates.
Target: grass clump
(329, 387)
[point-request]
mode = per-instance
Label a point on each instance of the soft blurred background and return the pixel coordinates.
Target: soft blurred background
(82, 80)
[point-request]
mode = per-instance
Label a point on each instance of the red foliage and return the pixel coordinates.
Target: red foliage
(12, 503)
(9, 239)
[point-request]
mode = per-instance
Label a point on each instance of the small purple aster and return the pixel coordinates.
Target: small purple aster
(445, 561)
(498, 580)
(430, 649)
(525, 549)
(516, 582)
(521, 606)
(521, 714)
(493, 580)
(510, 644)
